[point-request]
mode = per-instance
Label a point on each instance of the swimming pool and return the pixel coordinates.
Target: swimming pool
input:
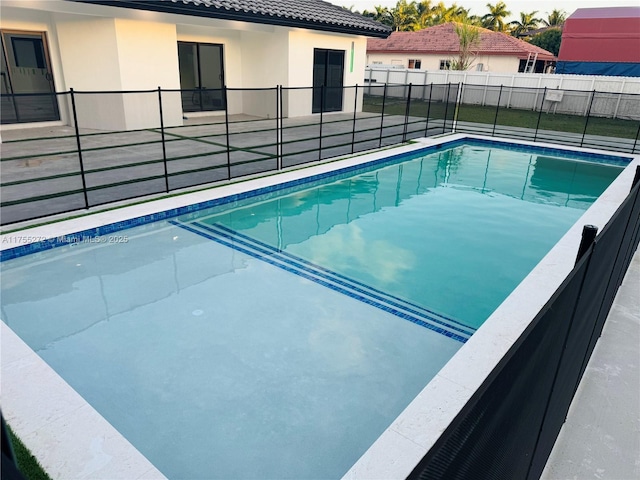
(266, 277)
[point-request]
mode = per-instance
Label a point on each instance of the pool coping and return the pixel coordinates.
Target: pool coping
(72, 440)
(415, 431)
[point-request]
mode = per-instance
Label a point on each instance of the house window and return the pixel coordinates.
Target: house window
(415, 63)
(480, 67)
(445, 64)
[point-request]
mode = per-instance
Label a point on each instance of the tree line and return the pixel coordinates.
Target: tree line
(413, 16)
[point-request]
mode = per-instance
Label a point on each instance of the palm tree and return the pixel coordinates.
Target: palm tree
(528, 22)
(494, 20)
(403, 16)
(469, 36)
(381, 14)
(555, 18)
(425, 12)
(444, 14)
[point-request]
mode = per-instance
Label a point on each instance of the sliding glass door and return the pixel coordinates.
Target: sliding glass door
(25, 69)
(201, 76)
(328, 70)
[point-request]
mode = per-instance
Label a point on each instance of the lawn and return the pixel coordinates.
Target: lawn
(27, 463)
(511, 117)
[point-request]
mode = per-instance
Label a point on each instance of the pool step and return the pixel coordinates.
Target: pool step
(401, 308)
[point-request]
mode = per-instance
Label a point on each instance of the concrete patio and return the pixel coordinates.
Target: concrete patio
(601, 436)
(43, 163)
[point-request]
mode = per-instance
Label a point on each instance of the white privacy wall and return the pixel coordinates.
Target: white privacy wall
(613, 98)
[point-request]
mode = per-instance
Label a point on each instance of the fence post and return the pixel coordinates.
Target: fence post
(226, 126)
(384, 99)
(495, 119)
(321, 111)
(75, 124)
(281, 127)
(589, 233)
(164, 148)
(635, 142)
(406, 80)
(459, 96)
(586, 122)
(355, 109)
(426, 126)
(446, 108)
(544, 95)
(424, 85)
(406, 115)
(278, 157)
(636, 177)
(615, 111)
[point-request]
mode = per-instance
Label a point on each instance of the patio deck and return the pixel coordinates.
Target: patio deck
(44, 164)
(601, 436)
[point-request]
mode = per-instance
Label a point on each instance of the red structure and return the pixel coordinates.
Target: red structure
(601, 41)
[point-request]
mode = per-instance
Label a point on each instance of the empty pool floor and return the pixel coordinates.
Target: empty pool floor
(601, 436)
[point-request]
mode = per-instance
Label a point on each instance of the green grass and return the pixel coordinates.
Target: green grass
(27, 463)
(512, 117)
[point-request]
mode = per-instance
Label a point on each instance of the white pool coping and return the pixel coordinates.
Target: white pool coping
(72, 440)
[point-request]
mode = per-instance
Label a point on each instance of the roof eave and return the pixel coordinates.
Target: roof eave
(250, 17)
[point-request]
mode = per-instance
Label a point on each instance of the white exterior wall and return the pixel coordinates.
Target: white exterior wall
(265, 64)
(490, 63)
(123, 54)
(98, 48)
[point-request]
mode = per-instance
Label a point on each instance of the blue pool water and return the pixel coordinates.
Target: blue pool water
(277, 337)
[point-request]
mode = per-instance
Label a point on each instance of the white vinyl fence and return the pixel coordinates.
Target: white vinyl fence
(614, 97)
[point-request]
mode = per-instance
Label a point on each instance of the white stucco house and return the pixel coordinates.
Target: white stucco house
(195, 45)
(435, 47)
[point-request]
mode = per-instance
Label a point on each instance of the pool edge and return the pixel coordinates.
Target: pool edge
(425, 419)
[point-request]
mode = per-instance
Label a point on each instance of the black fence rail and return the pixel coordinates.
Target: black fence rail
(530, 114)
(127, 144)
(508, 428)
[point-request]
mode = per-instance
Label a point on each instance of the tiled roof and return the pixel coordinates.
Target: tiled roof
(310, 14)
(442, 39)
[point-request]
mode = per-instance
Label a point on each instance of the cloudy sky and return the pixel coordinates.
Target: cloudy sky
(478, 7)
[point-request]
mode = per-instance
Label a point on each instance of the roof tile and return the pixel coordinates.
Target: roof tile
(442, 39)
(306, 12)
(310, 14)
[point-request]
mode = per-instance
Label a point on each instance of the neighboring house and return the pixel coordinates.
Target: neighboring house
(433, 48)
(101, 45)
(601, 41)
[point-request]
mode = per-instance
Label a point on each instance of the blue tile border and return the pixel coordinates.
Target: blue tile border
(306, 182)
(408, 311)
(417, 309)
